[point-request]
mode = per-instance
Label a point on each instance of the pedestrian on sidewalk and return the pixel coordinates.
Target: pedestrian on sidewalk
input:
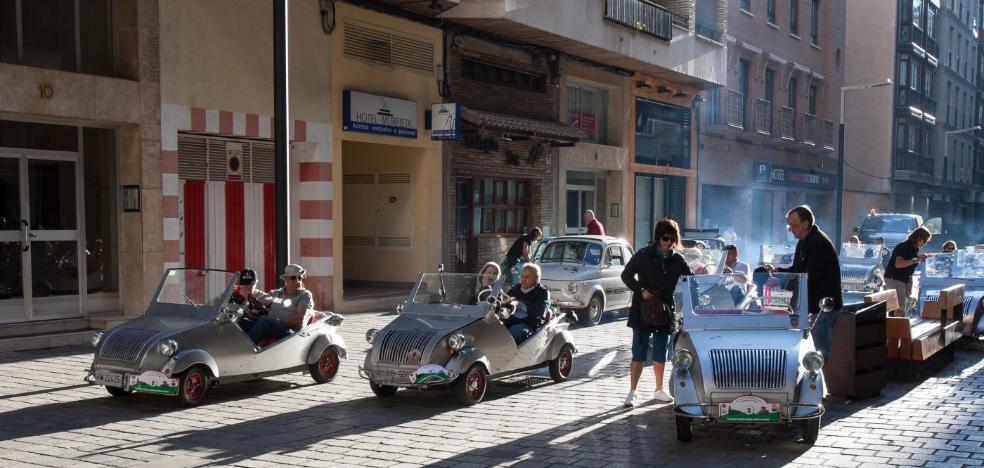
(594, 226)
(903, 261)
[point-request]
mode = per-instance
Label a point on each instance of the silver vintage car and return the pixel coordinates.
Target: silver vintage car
(584, 273)
(449, 335)
(189, 340)
(744, 353)
(862, 272)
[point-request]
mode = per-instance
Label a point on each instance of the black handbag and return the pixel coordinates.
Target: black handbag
(655, 313)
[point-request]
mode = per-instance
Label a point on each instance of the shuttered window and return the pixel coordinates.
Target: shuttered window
(210, 158)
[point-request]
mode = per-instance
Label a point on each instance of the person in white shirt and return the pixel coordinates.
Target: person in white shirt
(738, 269)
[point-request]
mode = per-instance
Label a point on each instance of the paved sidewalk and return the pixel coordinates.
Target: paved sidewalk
(49, 417)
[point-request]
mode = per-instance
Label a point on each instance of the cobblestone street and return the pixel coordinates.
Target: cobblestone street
(49, 417)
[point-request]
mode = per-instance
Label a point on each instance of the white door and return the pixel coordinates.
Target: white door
(40, 261)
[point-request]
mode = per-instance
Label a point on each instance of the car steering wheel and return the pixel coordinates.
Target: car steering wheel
(254, 308)
(484, 294)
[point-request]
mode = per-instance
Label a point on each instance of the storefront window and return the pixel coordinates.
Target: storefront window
(500, 206)
(662, 134)
(586, 109)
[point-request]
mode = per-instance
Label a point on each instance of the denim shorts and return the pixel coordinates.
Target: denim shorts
(641, 345)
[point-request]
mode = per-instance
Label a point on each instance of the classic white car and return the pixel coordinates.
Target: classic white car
(584, 273)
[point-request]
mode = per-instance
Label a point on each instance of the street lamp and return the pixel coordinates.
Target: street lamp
(946, 162)
(840, 153)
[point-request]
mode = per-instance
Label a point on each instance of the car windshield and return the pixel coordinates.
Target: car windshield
(860, 251)
(960, 264)
(902, 224)
(195, 287)
(572, 251)
(777, 255)
(452, 288)
(702, 261)
(763, 293)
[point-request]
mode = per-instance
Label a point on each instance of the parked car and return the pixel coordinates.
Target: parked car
(449, 335)
(189, 341)
(862, 271)
(711, 238)
(584, 273)
(746, 357)
(894, 227)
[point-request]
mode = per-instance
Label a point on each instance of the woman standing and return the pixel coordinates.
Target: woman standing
(902, 263)
(653, 272)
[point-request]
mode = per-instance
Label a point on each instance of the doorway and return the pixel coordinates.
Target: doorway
(40, 259)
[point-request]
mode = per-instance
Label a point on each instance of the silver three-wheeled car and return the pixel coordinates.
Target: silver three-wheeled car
(744, 353)
(189, 339)
(450, 334)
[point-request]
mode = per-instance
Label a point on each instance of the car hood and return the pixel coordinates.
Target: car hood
(566, 271)
(706, 340)
(163, 323)
(433, 322)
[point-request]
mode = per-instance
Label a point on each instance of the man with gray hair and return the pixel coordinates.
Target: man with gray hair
(531, 300)
(594, 226)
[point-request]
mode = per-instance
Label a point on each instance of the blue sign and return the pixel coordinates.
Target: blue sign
(379, 115)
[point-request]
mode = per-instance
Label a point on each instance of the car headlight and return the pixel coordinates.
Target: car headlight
(813, 361)
(456, 341)
(572, 288)
(168, 347)
(371, 335)
(682, 359)
(97, 337)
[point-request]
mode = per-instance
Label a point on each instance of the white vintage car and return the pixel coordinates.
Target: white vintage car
(584, 273)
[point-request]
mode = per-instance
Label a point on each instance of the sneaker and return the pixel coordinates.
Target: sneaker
(630, 400)
(661, 395)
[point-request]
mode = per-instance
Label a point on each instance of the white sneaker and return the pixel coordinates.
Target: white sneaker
(661, 395)
(630, 399)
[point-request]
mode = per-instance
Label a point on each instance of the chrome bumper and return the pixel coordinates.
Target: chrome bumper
(819, 411)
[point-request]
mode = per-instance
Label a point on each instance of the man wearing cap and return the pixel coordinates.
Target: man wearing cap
(246, 294)
(289, 304)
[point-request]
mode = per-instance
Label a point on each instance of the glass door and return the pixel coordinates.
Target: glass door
(650, 207)
(579, 199)
(39, 247)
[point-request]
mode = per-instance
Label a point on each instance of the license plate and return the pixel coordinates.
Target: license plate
(153, 382)
(749, 408)
(109, 380)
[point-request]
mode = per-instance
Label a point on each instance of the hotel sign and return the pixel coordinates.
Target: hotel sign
(445, 121)
(785, 175)
(379, 115)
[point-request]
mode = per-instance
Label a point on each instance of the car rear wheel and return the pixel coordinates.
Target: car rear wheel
(382, 391)
(192, 386)
(560, 368)
(592, 314)
(811, 430)
(326, 368)
(470, 387)
(683, 429)
(119, 392)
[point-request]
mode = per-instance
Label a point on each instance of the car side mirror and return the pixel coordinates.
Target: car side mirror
(827, 305)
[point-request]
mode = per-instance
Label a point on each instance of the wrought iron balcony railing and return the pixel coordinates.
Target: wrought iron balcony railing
(787, 123)
(643, 16)
(828, 134)
(763, 117)
(809, 129)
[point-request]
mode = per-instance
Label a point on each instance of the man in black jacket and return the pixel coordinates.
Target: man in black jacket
(531, 300)
(816, 256)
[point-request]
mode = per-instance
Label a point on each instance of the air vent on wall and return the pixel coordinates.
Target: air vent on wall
(394, 242)
(192, 163)
(349, 179)
(394, 178)
(263, 162)
(384, 47)
(359, 241)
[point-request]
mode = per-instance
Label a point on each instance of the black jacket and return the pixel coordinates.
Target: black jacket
(536, 302)
(816, 256)
(647, 271)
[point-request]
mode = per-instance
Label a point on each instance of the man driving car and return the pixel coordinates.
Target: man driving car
(531, 300)
(253, 299)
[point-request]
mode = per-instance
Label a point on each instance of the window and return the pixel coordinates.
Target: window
(55, 34)
(928, 81)
(925, 142)
(931, 21)
(948, 103)
(900, 126)
(794, 16)
(917, 8)
(914, 75)
(614, 256)
(662, 134)
(503, 76)
(792, 93)
(815, 21)
(587, 109)
(500, 206)
(813, 100)
(903, 70)
(770, 10)
(770, 79)
(910, 142)
(746, 5)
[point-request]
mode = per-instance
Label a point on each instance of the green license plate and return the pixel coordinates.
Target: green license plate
(749, 408)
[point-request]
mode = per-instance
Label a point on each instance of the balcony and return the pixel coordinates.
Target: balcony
(828, 134)
(654, 37)
(914, 167)
(787, 123)
(762, 117)
(725, 109)
(809, 129)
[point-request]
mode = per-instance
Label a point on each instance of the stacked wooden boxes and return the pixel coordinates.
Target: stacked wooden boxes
(920, 346)
(857, 360)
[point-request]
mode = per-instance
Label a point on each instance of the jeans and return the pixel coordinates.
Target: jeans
(520, 332)
(646, 344)
(823, 332)
(265, 328)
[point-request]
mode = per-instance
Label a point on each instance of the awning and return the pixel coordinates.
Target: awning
(510, 123)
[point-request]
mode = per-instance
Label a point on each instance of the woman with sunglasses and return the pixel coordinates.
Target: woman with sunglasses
(653, 272)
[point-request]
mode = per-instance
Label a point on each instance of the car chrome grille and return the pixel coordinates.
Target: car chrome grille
(855, 273)
(749, 368)
(125, 344)
(404, 346)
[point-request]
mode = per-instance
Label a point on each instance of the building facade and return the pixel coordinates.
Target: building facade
(768, 141)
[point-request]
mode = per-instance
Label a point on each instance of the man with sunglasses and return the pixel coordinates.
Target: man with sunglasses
(816, 256)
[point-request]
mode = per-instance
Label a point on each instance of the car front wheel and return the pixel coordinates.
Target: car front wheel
(118, 392)
(683, 429)
(326, 368)
(192, 386)
(592, 314)
(470, 387)
(382, 391)
(560, 368)
(811, 430)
